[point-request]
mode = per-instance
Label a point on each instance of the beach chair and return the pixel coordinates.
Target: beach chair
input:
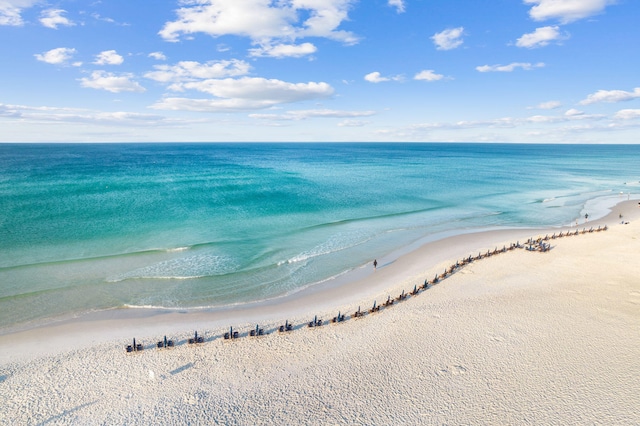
(402, 296)
(413, 293)
(375, 308)
(138, 346)
(135, 347)
(195, 339)
(358, 313)
(230, 334)
(286, 327)
(257, 332)
(165, 343)
(389, 301)
(316, 322)
(338, 318)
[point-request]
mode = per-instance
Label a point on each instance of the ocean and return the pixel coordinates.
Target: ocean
(89, 227)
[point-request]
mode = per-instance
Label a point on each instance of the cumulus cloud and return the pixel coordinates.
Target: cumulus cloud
(112, 83)
(10, 11)
(262, 21)
(398, 4)
(627, 114)
(428, 75)
(192, 70)
(158, 56)
(540, 37)
(108, 57)
(51, 18)
(611, 96)
(284, 50)
(244, 94)
(56, 56)
(509, 68)
(448, 39)
(566, 10)
(376, 77)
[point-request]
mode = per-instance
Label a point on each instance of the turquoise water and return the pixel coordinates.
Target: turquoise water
(96, 226)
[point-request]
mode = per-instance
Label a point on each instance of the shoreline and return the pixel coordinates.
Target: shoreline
(398, 271)
(516, 338)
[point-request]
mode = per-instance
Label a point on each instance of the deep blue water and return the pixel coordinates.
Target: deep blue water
(96, 226)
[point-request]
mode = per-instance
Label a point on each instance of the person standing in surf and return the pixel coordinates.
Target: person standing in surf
(375, 264)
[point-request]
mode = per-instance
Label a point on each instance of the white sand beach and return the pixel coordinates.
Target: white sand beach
(516, 338)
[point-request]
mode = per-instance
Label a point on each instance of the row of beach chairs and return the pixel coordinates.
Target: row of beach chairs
(538, 244)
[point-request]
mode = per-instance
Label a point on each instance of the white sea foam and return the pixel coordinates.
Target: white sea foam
(177, 249)
(183, 268)
(335, 243)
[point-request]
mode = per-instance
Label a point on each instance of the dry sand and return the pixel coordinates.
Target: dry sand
(518, 338)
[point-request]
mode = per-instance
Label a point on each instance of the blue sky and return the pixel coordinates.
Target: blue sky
(556, 71)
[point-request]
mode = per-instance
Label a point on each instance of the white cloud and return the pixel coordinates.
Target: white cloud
(428, 75)
(448, 39)
(98, 17)
(627, 114)
(573, 112)
(549, 105)
(56, 56)
(51, 18)
(398, 4)
(244, 94)
(111, 82)
(158, 56)
(352, 123)
(108, 57)
(313, 113)
(74, 115)
(566, 10)
(375, 77)
(191, 70)
(262, 21)
(10, 11)
(284, 50)
(540, 37)
(611, 96)
(509, 68)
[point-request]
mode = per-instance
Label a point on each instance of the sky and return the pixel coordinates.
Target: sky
(524, 71)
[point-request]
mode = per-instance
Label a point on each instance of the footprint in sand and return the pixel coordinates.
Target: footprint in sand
(495, 338)
(454, 370)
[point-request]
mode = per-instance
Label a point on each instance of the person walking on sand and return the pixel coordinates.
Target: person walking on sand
(375, 264)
